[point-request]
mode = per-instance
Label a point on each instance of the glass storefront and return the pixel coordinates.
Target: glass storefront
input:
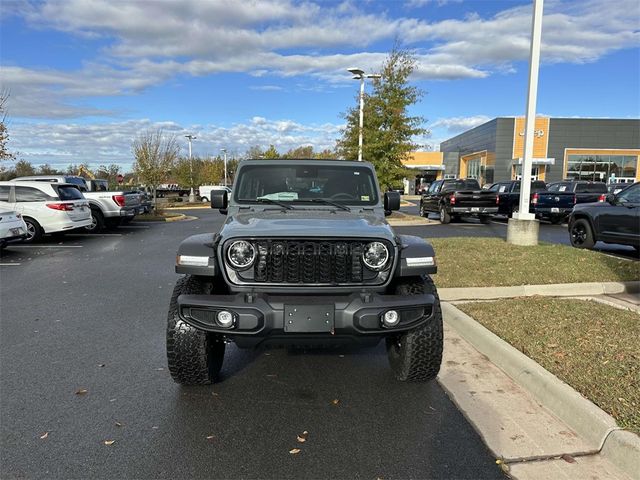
(601, 168)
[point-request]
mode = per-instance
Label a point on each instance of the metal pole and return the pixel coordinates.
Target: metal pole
(224, 150)
(361, 118)
(192, 196)
(530, 122)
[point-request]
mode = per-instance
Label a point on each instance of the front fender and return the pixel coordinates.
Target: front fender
(194, 251)
(416, 257)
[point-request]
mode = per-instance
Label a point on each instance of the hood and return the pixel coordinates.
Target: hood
(306, 223)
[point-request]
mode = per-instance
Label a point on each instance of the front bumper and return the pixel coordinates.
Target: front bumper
(475, 210)
(308, 320)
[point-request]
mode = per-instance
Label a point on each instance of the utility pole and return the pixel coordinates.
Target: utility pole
(224, 150)
(192, 196)
(523, 228)
(358, 74)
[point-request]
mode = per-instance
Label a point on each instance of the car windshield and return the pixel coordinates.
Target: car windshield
(560, 187)
(302, 183)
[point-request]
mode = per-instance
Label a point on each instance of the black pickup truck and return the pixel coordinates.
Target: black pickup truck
(509, 195)
(455, 198)
(556, 203)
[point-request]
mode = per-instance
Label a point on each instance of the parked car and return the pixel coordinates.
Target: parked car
(171, 189)
(108, 208)
(205, 191)
(305, 257)
(509, 195)
(616, 220)
(45, 207)
(12, 228)
(455, 198)
(556, 203)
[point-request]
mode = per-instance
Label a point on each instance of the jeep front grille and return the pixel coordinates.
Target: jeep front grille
(311, 262)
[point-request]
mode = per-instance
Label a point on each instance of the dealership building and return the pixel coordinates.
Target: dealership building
(606, 150)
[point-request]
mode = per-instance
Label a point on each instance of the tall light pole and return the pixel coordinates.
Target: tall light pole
(192, 196)
(358, 74)
(224, 150)
(523, 227)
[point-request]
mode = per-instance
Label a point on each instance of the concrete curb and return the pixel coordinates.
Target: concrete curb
(592, 423)
(180, 218)
(551, 290)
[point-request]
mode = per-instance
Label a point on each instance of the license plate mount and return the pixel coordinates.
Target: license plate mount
(309, 318)
(475, 209)
(555, 210)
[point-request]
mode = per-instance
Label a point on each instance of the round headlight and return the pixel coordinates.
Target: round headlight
(375, 255)
(241, 254)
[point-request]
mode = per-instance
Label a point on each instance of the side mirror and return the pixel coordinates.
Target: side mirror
(391, 201)
(219, 200)
(611, 198)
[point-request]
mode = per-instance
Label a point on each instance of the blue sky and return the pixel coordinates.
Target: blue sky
(87, 76)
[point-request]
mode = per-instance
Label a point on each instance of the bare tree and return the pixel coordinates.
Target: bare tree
(155, 155)
(5, 154)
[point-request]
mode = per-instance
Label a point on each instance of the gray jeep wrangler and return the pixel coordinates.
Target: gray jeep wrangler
(304, 258)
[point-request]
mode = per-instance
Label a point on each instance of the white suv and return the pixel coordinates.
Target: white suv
(45, 207)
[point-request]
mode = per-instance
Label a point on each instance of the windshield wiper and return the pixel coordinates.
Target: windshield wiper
(329, 202)
(274, 202)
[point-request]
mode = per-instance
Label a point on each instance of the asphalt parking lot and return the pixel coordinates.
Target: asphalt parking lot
(82, 362)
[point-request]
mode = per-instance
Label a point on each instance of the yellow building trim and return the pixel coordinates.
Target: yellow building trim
(600, 151)
(540, 138)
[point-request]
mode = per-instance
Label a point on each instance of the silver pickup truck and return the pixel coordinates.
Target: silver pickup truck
(108, 208)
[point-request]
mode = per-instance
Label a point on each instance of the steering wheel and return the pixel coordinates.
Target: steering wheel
(343, 195)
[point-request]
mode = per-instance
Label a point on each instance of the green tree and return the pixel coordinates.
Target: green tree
(23, 169)
(389, 129)
(271, 153)
(47, 169)
(110, 173)
(155, 155)
(305, 151)
(254, 152)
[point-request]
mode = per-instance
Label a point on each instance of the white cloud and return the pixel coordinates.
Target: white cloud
(459, 124)
(149, 43)
(104, 143)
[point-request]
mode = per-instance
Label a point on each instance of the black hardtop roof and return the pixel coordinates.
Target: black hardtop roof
(316, 161)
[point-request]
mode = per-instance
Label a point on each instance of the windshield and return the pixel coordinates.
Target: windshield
(298, 183)
(560, 187)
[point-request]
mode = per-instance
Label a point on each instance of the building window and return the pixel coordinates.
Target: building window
(601, 168)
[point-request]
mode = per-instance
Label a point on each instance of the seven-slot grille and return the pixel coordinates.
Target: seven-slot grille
(310, 262)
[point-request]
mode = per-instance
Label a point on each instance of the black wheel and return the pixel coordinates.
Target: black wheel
(194, 356)
(34, 230)
(444, 215)
(485, 219)
(423, 211)
(97, 221)
(581, 234)
(416, 356)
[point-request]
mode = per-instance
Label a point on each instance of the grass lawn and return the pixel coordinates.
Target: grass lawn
(491, 262)
(156, 217)
(592, 347)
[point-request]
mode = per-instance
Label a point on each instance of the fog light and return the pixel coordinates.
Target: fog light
(224, 319)
(390, 318)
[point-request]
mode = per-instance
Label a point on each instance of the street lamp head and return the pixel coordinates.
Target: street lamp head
(374, 75)
(357, 77)
(356, 71)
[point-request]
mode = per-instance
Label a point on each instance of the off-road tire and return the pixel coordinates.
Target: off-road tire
(416, 356)
(34, 230)
(445, 217)
(97, 221)
(194, 356)
(581, 234)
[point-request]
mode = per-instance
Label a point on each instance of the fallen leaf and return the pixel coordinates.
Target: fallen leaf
(210, 437)
(301, 439)
(305, 433)
(335, 401)
(82, 391)
(499, 461)
(44, 435)
(101, 365)
(568, 458)
(109, 442)
(118, 424)
(294, 451)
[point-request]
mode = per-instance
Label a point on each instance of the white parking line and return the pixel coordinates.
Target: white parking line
(7, 264)
(46, 246)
